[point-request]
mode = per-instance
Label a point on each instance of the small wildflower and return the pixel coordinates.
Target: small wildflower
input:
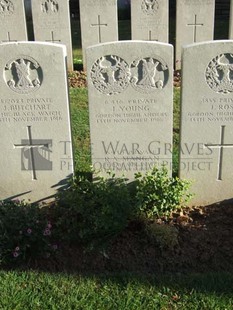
(15, 254)
(29, 231)
(17, 249)
(49, 225)
(47, 232)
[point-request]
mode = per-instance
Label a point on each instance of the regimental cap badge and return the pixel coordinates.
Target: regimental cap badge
(219, 73)
(150, 7)
(6, 7)
(23, 75)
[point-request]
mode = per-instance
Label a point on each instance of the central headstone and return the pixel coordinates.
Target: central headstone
(12, 21)
(36, 156)
(99, 22)
(51, 23)
(194, 23)
(149, 20)
(130, 105)
(207, 120)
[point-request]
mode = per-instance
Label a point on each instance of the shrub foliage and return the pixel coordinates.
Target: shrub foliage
(90, 213)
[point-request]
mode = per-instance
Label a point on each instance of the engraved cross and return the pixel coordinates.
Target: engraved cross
(195, 27)
(52, 38)
(9, 38)
(150, 36)
(30, 145)
(221, 147)
(99, 30)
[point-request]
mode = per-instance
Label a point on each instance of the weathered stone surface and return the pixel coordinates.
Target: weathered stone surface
(149, 20)
(12, 21)
(51, 23)
(130, 104)
(194, 23)
(36, 156)
(99, 22)
(207, 120)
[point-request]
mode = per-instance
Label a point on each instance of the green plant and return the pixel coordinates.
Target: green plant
(164, 235)
(94, 211)
(78, 61)
(25, 232)
(158, 194)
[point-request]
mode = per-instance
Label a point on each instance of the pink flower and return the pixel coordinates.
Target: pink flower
(49, 225)
(15, 254)
(29, 231)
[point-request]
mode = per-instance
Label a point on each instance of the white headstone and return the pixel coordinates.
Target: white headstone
(12, 21)
(36, 149)
(231, 21)
(194, 23)
(207, 120)
(130, 105)
(149, 20)
(99, 22)
(51, 23)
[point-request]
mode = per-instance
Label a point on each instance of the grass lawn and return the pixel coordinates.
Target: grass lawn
(33, 290)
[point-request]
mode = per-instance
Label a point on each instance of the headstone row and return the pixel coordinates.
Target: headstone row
(130, 104)
(51, 23)
(99, 22)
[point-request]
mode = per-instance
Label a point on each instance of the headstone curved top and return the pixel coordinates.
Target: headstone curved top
(36, 157)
